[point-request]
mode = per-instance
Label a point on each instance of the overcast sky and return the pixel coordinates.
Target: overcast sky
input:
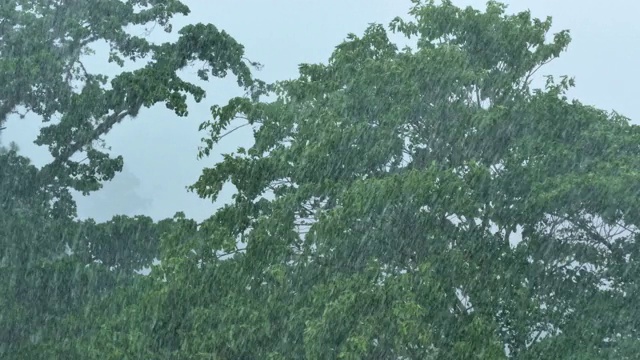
(160, 150)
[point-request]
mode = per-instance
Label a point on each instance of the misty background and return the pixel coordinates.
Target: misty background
(160, 149)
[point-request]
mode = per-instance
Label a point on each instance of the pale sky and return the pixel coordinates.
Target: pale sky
(160, 149)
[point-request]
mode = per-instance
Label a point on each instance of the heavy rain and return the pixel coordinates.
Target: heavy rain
(360, 179)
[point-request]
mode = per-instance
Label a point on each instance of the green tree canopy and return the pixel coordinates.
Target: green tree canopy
(41, 47)
(52, 266)
(416, 203)
(497, 214)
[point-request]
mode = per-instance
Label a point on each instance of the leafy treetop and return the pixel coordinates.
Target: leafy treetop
(41, 45)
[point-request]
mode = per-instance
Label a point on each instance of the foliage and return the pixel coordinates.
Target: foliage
(417, 203)
(53, 266)
(41, 70)
(442, 156)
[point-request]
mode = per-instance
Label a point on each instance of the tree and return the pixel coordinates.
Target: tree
(41, 71)
(414, 170)
(52, 267)
(33, 220)
(375, 214)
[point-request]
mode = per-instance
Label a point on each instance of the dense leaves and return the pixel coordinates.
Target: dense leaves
(42, 44)
(51, 265)
(417, 203)
(522, 202)
(54, 268)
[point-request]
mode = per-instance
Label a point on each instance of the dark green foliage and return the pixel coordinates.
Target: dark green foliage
(435, 158)
(52, 267)
(41, 70)
(419, 203)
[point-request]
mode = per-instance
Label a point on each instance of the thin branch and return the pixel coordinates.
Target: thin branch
(232, 130)
(536, 338)
(526, 80)
(229, 253)
(595, 236)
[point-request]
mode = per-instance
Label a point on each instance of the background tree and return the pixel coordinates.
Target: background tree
(53, 267)
(41, 47)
